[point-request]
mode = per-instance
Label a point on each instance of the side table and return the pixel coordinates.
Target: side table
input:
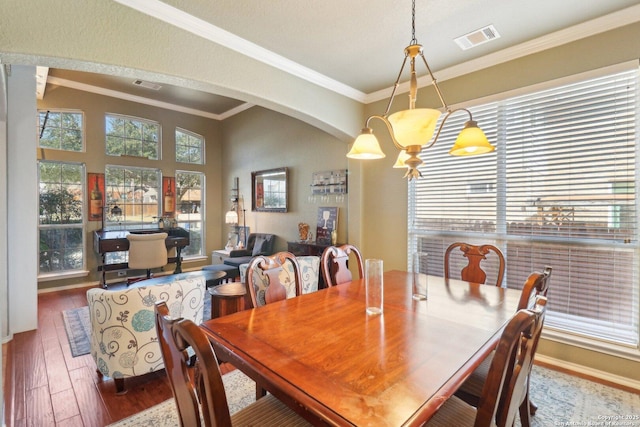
(218, 256)
(227, 298)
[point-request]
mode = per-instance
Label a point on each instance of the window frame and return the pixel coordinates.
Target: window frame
(46, 124)
(187, 222)
(79, 225)
(500, 236)
(119, 221)
(190, 136)
(132, 121)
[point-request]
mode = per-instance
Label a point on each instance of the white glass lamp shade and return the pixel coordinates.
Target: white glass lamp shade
(366, 146)
(415, 126)
(471, 141)
(402, 158)
(231, 217)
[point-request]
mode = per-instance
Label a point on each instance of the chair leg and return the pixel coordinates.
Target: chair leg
(119, 386)
(260, 392)
(524, 413)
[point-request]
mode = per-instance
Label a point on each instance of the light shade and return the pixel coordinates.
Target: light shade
(231, 217)
(366, 146)
(400, 161)
(471, 141)
(415, 126)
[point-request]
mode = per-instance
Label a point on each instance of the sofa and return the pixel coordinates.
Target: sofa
(124, 342)
(257, 244)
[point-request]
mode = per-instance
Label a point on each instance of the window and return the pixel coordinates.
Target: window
(61, 216)
(132, 196)
(190, 215)
(189, 147)
(559, 191)
(61, 130)
(130, 136)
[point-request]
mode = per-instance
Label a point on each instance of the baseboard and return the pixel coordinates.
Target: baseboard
(606, 377)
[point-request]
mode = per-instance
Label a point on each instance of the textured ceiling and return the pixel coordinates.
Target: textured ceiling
(358, 44)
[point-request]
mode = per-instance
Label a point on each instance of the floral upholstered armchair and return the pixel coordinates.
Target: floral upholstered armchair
(124, 342)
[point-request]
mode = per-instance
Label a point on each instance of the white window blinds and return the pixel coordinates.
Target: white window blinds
(559, 191)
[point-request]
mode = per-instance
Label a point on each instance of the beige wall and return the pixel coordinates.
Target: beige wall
(260, 139)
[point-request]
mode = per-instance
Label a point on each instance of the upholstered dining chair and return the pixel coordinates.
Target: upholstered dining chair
(147, 251)
(268, 281)
(537, 284)
(198, 390)
(504, 389)
(475, 255)
(333, 264)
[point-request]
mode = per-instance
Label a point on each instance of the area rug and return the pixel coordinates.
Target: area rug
(240, 390)
(78, 327)
(562, 400)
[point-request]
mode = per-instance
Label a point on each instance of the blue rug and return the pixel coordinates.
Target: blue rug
(78, 327)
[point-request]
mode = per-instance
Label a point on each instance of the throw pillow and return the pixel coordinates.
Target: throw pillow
(257, 246)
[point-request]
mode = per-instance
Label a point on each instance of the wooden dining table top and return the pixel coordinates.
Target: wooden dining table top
(322, 352)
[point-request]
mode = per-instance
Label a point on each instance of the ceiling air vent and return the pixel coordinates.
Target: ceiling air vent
(478, 37)
(147, 85)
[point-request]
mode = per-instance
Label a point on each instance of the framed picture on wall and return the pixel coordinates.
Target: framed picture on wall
(327, 222)
(96, 196)
(169, 196)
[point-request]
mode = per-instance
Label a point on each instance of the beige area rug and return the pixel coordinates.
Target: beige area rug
(240, 389)
(563, 400)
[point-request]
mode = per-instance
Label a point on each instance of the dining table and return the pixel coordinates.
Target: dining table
(323, 356)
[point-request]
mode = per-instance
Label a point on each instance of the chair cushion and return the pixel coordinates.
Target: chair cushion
(309, 271)
(237, 262)
(454, 412)
(267, 411)
(257, 247)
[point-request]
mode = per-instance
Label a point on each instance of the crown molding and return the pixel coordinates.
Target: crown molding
(599, 25)
(206, 30)
(143, 100)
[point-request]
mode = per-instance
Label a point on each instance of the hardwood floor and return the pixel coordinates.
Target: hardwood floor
(46, 386)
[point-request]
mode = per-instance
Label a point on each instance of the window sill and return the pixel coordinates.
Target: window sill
(601, 346)
(48, 277)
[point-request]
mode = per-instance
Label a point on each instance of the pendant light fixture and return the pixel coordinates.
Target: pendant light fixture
(412, 130)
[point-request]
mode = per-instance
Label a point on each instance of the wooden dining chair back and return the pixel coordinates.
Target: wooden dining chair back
(503, 391)
(334, 264)
(470, 261)
(269, 279)
(537, 284)
(198, 388)
(192, 393)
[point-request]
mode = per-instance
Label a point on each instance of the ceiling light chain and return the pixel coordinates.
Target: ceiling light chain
(412, 130)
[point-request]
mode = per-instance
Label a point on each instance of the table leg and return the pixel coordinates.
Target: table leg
(178, 261)
(104, 273)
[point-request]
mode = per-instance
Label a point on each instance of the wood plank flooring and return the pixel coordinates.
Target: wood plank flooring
(46, 386)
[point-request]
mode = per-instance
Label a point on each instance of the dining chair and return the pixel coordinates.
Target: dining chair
(475, 255)
(270, 280)
(537, 284)
(146, 251)
(198, 389)
(333, 264)
(504, 389)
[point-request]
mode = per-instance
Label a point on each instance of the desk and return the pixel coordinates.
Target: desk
(320, 351)
(105, 241)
